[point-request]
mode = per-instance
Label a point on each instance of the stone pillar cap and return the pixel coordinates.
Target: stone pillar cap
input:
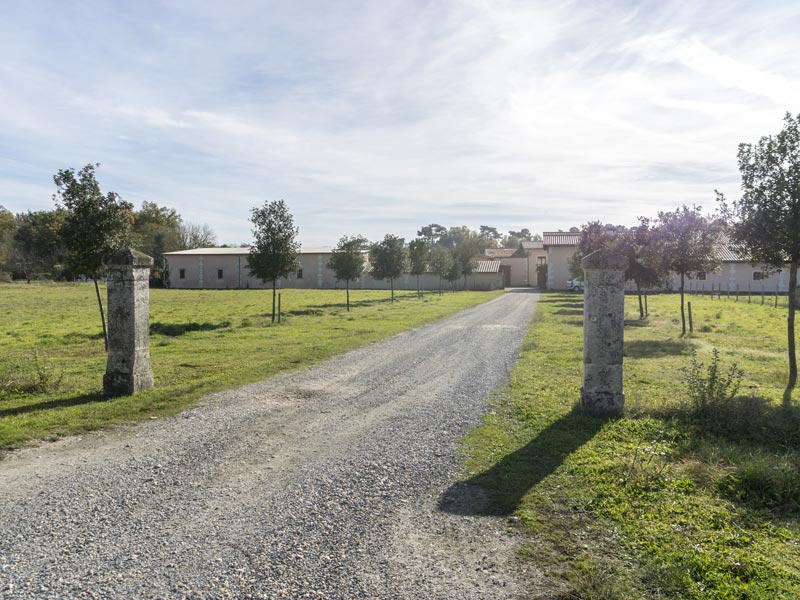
(128, 256)
(605, 261)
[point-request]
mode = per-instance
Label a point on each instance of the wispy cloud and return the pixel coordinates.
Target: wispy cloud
(370, 117)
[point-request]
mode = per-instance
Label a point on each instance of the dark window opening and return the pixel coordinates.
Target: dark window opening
(299, 273)
(219, 273)
(758, 276)
(701, 275)
(182, 273)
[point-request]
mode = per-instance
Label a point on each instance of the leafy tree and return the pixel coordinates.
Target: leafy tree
(388, 259)
(39, 243)
(8, 226)
(685, 241)
(514, 238)
(638, 244)
(274, 254)
(418, 259)
(193, 236)
(347, 260)
(466, 253)
(455, 270)
(491, 234)
(594, 236)
(432, 233)
(441, 262)
(766, 219)
(95, 225)
(156, 230)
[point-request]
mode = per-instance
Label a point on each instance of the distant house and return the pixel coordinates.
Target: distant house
(559, 246)
(518, 265)
(226, 268)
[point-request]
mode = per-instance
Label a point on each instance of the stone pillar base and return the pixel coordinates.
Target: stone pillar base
(602, 403)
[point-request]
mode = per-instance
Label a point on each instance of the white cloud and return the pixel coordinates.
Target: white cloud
(385, 116)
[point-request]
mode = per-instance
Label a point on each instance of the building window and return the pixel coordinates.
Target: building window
(219, 273)
(701, 275)
(182, 273)
(541, 260)
(299, 273)
(758, 275)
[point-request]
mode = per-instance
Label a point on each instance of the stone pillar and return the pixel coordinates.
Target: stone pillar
(603, 321)
(128, 368)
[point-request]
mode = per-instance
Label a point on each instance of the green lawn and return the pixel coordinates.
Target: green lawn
(665, 502)
(52, 359)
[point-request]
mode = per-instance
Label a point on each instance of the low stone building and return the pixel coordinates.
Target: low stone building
(226, 268)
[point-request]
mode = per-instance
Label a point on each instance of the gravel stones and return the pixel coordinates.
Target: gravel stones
(319, 484)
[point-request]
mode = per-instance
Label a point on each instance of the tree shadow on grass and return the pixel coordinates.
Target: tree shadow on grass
(308, 312)
(657, 348)
(50, 404)
(353, 303)
(568, 311)
(176, 329)
(637, 323)
(762, 442)
(500, 489)
(568, 304)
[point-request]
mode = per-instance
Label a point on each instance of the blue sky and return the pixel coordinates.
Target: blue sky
(380, 116)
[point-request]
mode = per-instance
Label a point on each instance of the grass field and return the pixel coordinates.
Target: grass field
(669, 501)
(52, 359)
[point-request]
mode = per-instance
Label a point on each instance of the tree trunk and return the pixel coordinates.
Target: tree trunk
(102, 314)
(787, 394)
(683, 313)
(419, 295)
(347, 284)
(641, 306)
(391, 284)
(274, 291)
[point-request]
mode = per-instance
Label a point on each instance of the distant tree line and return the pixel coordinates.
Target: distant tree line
(35, 244)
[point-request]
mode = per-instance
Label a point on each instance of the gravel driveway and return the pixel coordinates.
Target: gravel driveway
(318, 484)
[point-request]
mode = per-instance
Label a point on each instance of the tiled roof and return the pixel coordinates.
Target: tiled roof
(241, 251)
(534, 245)
(500, 252)
(724, 251)
(486, 266)
(561, 238)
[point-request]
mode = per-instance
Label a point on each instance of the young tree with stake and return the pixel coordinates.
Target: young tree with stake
(441, 262)
(95, 224)
(347, 261)
(766, 219)
(685, 241)
(418, 258)
(388, 259)
(275, 250)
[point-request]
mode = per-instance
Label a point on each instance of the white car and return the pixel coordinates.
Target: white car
(576, 285)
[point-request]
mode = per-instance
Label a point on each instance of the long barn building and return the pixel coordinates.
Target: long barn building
(226, 268)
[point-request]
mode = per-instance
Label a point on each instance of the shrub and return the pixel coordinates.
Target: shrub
(765, 482)
(39, 377)
(709, 388)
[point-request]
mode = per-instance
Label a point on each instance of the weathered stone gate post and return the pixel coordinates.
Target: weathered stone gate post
(603, 322)
(128, 368)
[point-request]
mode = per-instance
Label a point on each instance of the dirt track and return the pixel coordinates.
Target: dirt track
(320, 484)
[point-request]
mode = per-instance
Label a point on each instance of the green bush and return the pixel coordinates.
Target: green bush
(710, 389)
